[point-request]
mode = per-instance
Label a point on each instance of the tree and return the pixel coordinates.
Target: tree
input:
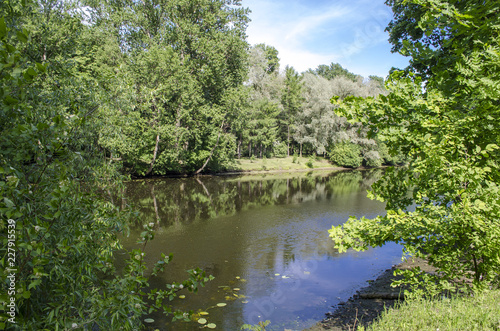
(181, 59)
(271, 55)
(335, 70)
(291, 100)
(450, 132)
(59, 226)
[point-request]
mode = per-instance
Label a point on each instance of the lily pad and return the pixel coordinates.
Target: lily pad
(203, 313)
(182, 296)
(149, 320)
(202, 321)
(222, 304)
(236, 289)
(211, 325)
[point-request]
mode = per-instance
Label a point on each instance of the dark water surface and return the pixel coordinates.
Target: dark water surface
(265, 236)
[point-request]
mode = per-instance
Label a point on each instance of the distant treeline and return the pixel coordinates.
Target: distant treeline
(174, 87)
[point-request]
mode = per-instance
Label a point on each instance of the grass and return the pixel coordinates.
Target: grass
(280, 164)
(480, 312)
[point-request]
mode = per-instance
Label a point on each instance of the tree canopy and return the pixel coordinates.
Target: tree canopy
(443, 112)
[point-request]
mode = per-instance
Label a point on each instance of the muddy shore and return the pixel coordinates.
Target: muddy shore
(368, 302)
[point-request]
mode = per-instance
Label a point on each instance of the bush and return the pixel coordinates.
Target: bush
(280, 149)
(373, 159)
(346, 154)
(309, 162)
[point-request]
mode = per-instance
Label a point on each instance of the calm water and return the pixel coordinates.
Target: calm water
(266, 236)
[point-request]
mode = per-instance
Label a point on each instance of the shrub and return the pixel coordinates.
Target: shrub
(346, 154)
(373, 159)
(280, 149)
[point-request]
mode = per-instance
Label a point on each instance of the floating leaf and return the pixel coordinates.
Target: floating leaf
(149, 320)
(182, 296)
(236, 289)
(202, 321)
(203, 313)
(276, 274)
(211, 325)
(285, 277)
(237, 277)
(222, 304)
(244, 301)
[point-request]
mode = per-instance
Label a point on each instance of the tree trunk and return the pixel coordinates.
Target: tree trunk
(154, 155)
(155, 152)
(288, 142)
(239, 149)
(211, 152)
(300, 149)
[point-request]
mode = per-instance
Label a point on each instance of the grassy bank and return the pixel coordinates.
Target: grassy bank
(480, 312)
(280, 164)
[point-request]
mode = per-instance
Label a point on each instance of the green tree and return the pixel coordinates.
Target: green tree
(182, 58)
(449, 130)
(334, 70)
(58, 226)
(271, 55)
(291, 100)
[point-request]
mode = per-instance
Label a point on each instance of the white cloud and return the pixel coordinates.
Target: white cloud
(307, 33)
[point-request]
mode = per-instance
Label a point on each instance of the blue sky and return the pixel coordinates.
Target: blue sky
(309, 33)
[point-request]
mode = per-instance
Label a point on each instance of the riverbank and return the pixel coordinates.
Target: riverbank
(369, 302)
(281, 164)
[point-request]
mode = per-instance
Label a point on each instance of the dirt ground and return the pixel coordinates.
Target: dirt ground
(367, 304)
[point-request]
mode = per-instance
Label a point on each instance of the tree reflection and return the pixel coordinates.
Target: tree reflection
(185, 200)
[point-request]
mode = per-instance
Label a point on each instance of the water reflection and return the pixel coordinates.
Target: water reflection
(265, 236)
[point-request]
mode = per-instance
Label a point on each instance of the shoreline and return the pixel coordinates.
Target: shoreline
(256, 172)
(368, 302)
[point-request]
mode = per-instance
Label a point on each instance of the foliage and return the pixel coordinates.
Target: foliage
(346, 154)
(179, 62)
(449, 131)
(280, 149)
(59, 226)
(334, 70)
(257, 327)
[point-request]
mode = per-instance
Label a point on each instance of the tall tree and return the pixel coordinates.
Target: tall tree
(202, 55)
(450, 132)
(271, 55)
(291, 100)
(335, 70)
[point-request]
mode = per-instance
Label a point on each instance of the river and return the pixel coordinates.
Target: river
(264, 238)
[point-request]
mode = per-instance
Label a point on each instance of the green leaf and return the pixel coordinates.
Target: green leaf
(9, 101)
(211, 325)
(222, 304)
(202, 321)
(21, 37)
(41, 67)
(3, 28)
(149, 320)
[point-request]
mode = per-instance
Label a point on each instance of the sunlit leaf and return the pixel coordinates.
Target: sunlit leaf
(211, 325)
(149, 320)
(222, 304)
(202, 321)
